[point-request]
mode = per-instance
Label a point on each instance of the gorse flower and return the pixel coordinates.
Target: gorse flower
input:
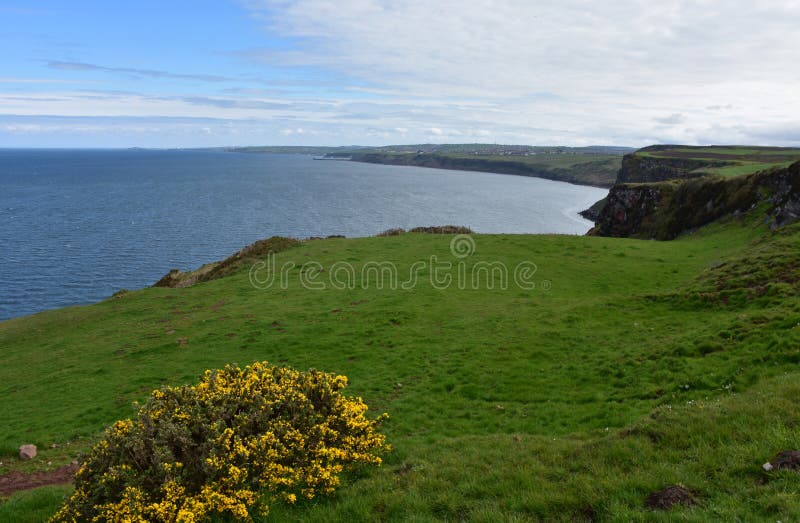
(233, 444)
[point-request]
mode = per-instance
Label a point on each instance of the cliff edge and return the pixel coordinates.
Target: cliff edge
(664, 210)
(663, 191)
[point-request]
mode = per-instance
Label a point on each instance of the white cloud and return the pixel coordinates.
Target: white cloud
(610, 69)
(290, 132)
(574, 72)
(673, 119)
(518, 47)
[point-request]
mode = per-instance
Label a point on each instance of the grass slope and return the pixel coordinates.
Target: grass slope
(645, 364)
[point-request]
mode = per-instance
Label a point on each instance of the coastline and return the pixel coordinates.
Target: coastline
(590, 213)
(509, 167)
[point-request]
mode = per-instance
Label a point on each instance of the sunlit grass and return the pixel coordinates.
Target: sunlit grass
(617, 375)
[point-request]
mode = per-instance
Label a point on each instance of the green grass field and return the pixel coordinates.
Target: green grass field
(633, 365)
(744, 168)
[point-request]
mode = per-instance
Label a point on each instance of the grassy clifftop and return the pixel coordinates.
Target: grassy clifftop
(664, 210)
(666, 162)
(663, 191)
(628, 367)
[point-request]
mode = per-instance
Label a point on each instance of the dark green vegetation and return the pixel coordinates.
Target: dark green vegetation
(596, 165)
(439, 229)
(632, 366)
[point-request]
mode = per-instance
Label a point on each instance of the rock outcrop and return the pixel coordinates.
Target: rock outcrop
(212, 271)
(785, 197)
(626, 208)
(593, 212)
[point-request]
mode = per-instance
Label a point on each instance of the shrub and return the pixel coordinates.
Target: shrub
(443, 229)
(440, 229)
(232, 444)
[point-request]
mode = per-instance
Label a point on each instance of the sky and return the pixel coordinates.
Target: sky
(199, 73)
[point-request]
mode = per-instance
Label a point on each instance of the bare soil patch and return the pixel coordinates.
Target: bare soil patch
(16, 481)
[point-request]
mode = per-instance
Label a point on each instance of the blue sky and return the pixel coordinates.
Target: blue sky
(320, 72)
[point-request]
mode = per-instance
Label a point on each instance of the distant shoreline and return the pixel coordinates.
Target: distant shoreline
(477, 165)
(593, 166)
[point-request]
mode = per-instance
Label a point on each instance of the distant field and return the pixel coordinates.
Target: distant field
(746, 168)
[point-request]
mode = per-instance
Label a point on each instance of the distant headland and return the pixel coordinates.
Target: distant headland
(595, 165)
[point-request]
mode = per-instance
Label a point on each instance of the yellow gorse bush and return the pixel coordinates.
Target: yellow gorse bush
(236, 442)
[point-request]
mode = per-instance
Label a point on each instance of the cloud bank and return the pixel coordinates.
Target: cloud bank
(572, 72)
(587, 71)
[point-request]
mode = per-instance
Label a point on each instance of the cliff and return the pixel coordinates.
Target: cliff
(659, 163)
(666, 209)
(641, 167)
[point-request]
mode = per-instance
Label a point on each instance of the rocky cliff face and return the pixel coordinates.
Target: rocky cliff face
(665, 210)
(785, 197)
(626, 207)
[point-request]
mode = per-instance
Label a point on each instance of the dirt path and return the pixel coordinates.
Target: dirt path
(15, 481)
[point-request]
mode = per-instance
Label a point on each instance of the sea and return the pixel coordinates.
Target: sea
(78, 225)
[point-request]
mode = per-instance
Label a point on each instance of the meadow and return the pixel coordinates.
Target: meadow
(631, 366)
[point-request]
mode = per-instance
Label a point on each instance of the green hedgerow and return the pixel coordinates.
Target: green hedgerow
(232, 444)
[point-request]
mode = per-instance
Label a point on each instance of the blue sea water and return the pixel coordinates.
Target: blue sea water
(78, 225)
